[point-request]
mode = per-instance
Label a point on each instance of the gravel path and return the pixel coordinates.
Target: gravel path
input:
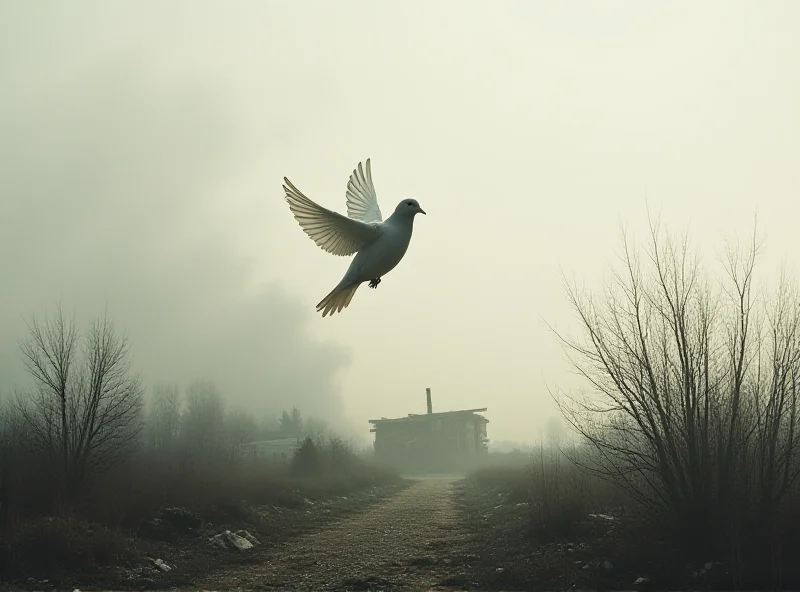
(411, 541)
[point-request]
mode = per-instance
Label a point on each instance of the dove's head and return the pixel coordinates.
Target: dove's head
(409, 207)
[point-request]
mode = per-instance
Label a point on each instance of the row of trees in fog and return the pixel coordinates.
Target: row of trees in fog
(197, 421)
(693, 386)
(88, 411)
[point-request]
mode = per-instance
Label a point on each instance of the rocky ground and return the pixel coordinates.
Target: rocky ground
(604, 551)
(411, 541)
(435, 533)
(180, 549)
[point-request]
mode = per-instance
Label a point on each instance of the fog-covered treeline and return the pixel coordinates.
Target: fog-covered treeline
(88, 418)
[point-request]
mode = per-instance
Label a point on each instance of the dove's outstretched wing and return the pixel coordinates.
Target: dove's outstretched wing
(332, 232)
(362, 203)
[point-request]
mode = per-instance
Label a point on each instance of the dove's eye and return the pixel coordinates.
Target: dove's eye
(409, 203)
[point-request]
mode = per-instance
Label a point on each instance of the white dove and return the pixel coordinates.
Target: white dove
(380, 245)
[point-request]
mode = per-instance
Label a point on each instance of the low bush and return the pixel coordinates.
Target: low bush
(754, 549)
(559, 495)
(65, 545)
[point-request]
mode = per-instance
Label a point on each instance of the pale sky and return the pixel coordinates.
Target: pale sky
(143, 146)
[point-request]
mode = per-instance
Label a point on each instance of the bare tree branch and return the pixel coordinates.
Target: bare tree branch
(84, 412)
(694, 392)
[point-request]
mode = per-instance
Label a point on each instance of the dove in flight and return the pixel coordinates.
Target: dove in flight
(379, 244)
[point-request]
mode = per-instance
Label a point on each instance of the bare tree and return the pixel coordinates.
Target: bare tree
(164, 415)
(693, 389)
(318, 429)
(204, 419)
(85, 411)
(49, 356)
(240, 428)
(6, 459)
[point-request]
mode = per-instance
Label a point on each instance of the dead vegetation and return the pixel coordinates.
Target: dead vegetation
(95, 485)
(148, 509)
(687, 436)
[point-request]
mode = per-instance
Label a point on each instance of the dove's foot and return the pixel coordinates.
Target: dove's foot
(374, 283)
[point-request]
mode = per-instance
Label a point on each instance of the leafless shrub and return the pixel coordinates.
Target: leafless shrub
(693, 402)
(84, 413)
(163, 417)
(204, 419)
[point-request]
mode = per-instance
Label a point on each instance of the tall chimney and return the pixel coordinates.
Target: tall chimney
(430, 405)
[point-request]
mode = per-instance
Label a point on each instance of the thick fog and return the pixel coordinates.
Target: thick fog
(143, 147)
(111, 178)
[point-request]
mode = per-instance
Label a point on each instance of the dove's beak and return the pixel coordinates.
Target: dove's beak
(421, 211)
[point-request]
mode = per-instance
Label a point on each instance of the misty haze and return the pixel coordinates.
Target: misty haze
(227, 362)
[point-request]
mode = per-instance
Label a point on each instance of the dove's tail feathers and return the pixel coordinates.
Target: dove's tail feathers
(337, 300)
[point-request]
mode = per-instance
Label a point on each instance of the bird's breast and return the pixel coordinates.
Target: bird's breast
(383, 255)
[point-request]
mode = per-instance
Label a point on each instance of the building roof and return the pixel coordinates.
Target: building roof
(427, 416)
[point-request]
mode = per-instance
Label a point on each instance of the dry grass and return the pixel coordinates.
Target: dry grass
(204, 488)
(52, 545)
(559, 495)
(99, 530)
(753, 551)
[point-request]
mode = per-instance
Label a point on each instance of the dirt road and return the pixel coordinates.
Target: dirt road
(409, 542)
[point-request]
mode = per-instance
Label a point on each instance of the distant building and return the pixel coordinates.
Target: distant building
(277, 449)
(434, 442)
